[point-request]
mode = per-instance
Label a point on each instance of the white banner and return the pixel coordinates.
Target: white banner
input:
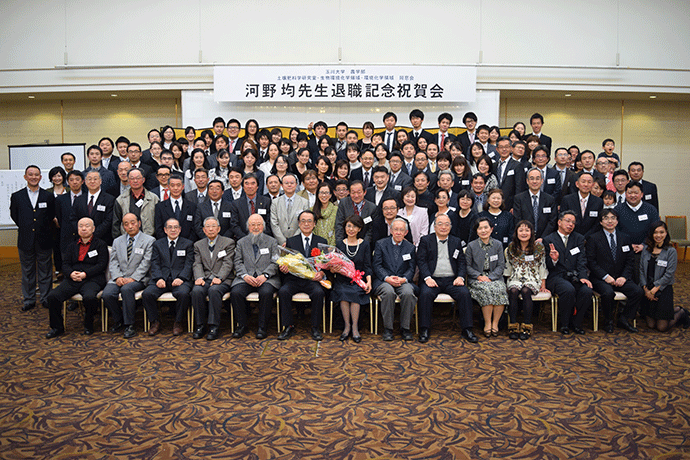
(344, 83)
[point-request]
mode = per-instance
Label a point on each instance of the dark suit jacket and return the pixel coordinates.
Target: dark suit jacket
(102, 215)
(63, 212)
(573, 188)
(240, 213)
(346, 208)
(543, 140)
(403, 180)
(33, 222)
(386, 264)
(650, 194)
(165, 211)
(205, 210)
(427, 254)
(589, 223)
(387, 193)
(424, 133)
(546, 221)
(552, 184)
(379, 230)
(193, 197)
(162, 268)
(358, 174)
(297, 244)
(464, 140)
(567, 261)
(94, 264)
(435, 139)
(513, 182)
(570, 178)
(114, 161)
(601, 261)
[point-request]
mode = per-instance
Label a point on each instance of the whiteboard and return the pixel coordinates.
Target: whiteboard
(10, 182)
(45, 156)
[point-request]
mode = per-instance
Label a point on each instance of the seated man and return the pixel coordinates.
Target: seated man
(303, 242)
(394, 264)
(84, 269)
(255, 273)
(442, 269)
(129, 271)
(567, 278)
(171, 271)
(611, 260)
(213, 262)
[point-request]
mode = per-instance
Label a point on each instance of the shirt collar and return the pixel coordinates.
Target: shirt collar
(636, 208)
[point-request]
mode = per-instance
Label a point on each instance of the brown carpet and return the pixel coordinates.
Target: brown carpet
(594, 396)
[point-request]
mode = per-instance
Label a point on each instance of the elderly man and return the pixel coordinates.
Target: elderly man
(394, 264)
(139, 202)
(285, 209)
(213, 263)
(442, 269)
(97, 205)
(255, 273)
(171, 271)
(84, 269)
(129, 271)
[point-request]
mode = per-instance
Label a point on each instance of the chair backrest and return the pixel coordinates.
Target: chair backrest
(677, 227)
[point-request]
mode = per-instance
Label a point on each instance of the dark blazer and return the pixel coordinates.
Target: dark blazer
(552, 184)
(402, 181)
(570, 178)
(386, 264)
(193, 197)
(424, 133)
(573, 187)
(346, 208)
(109, 179)
(114, 161)
(358, 174)
(33, 222)
(162, 268)
(387, 193)
(513, 183)
(543, 140)
(464, 140)
(427, 254)
(205, 210)
(63, 212)
(547, 212)
(165, 211)
(94, 264)
(297, 244)
(379, 230)
(567, 261)
(240, 213)
(102, 215)
(600, 260)
(650, 194)
(590, 222)
(435, 139)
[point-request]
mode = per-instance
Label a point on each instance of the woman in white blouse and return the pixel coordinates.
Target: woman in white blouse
(415, 215)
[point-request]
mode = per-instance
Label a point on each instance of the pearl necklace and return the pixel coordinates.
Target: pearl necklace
(352, 254)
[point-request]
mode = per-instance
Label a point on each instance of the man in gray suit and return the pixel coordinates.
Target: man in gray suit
(129, 266)
(285, 209)
(356, 204)
(255, 273)
(213, 263)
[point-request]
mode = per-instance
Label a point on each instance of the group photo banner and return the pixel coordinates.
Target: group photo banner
(346, 83)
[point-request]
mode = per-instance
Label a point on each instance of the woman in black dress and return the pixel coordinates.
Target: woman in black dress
(348, 294)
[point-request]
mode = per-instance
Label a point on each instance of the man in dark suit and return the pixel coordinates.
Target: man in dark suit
(63, 209)
(649, 191)
(135, 158)
(567, 265)
(398, 179)
(109, 160)
(249, 203)
(366, 172)
(389, 135)
(394, 264)
(509, 173)
(442, 137)
(588, 162)
(551, 180)
(537, 122)
(171, 271)
(96, 205)
(320, 128)
(467, 138)
(355, 204)
(416, 120)
(177, 208)
(536, 206)
(201, 193)
(611, 261)
(584, 205)
(84, 270)
(162, 190)
(303, 243)
(565, 174)
(442, 269)
(214, 206)
(108, 179)
(32, 210)
(381, 190)
(381, 225)
(153, 136)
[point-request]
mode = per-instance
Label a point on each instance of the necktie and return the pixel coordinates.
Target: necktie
(252, 209)
(210, 248)
(620, 199)
(289, 206)
(306, 246)
(612, 242)
(166, 195)
(172, 249)
(130, 243)
(201, 197)
(73, 197)
(543, 179)
(583, 205)
(443, 141)
(366, 179)
(500, 172)
(177, 210)
(215, 210)
(255, 247)
(432, 166)
(388, 141)
(409, 169)
(396, 253)
(562, 177)
(535, 211)
(565, 241)
(90, 205)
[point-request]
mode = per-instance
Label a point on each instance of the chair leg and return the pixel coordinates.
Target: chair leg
(554, 313)
(416, 319)
(595, 312)
(146, 321)
(64, 311)
(190, 319)
(376, 317)
(330, 329)
(323, 315)
(371, 314)
(232, 320)
(104, 318)
(278, 314)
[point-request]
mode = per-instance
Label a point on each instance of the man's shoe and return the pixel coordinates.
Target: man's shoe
(406, 335)
(72, 306)
(177, 329)
(424, 335)
(130, 332)
(28, 307)
(212, 333)
(199, 331)
(261, 333)
(623, 323)
(387, 335)
(579, 330)
(316, 334)
(565, 330)
(117, 327)
(155, 326)
(286, 333)
(609, 327)
(469, 335)
(239, 332)
(88, 331)
(54, 333)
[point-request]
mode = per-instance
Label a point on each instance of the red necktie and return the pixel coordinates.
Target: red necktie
(443, 141)
(253, 211)
(165, 194)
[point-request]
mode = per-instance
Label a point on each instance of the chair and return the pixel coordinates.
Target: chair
(678, 231)
(251, 297)
(371, 317)
(377, 300)
(168, 297)
(618, 298)
(104, 311)
(299, 297)
(79, 299)
(554, 310)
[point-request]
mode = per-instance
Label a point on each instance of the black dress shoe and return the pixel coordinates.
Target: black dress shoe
(239, 332)
(469, 335)
(387, 335)
(579, 330)
(623, 323)
(609, 327)
(212, 333)
(424, 335)
(88, 331)
(116, 327)
(406, 335)
(54, 333)
(72, 306)
(316, 334)
(286, 333)
(356, 338)
(261, 333)
(130, 332)
(199, 331)
(565, 330)
(344, 337)
(28, 307)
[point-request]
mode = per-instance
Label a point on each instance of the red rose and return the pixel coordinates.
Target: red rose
(315, 252)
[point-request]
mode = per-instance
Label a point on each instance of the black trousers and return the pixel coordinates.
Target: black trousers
(182, 296)
(240, 305)
(571, 297)
(631, 290)
(460, 294)
(292, 286)
(89, 291)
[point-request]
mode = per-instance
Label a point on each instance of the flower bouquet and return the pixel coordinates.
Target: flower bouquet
(298, 265)
(331, 258)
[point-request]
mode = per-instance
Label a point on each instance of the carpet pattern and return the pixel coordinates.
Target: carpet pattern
(552, 397)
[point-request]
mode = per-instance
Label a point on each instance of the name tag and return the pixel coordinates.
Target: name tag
(190, 218)
(625, 248)
(505, 239)
(462, 243)
(42, 205)
(662, 263)
(593, 213)
(100, 208)
(648, 197)
(367, 220)
(139, 203)
(510, 173)
(575, 251)
(493, 258)
(92, 253)
(642, 217)
(529, 258)
(457, 252)
(492, 154)
(226, 215)
(546, 210)
(452, 208)
(398, 187)
(181, 253)
(222, 253)
(406, 257)
(138, 251)
(264, 251)
(465, 182)
(551, 181)
(261, 211)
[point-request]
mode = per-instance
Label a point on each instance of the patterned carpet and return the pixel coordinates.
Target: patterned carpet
(554, 397)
